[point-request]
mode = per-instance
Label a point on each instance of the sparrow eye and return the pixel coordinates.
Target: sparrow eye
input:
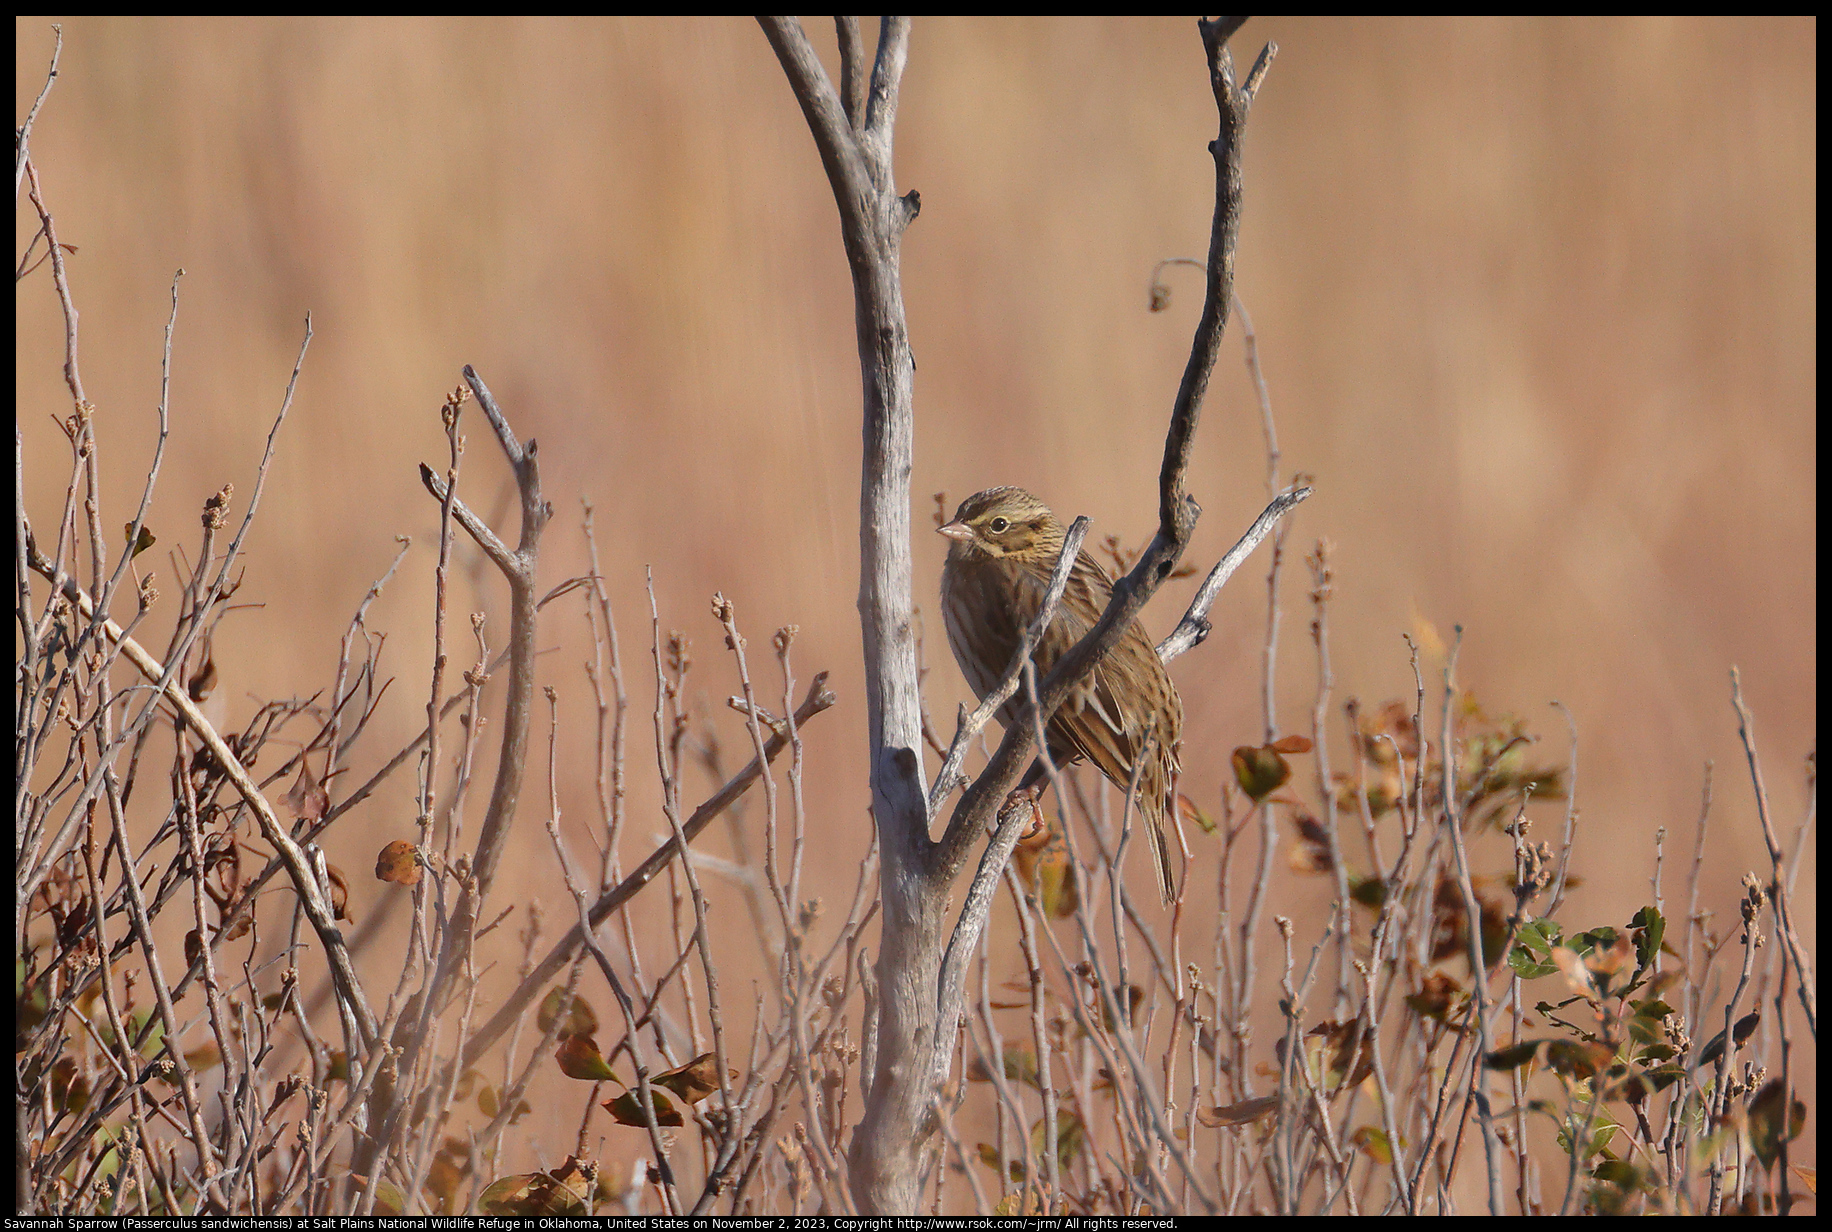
(998, 526)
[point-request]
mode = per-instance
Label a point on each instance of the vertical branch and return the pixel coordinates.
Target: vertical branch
(520, 700)
(1778, 887)
(518, 567)
(1322, 587)
(872, 222)
(920, 1000)
(857, 159)
(1478, 961)
(22, 138)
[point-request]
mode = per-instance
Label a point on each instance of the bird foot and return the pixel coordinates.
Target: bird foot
(1025, 798)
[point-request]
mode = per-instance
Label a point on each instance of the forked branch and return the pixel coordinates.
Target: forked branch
(1177, 511)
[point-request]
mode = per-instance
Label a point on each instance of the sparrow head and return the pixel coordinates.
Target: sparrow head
(1002, 522)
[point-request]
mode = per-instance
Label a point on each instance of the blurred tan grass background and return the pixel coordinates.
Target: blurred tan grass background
(1536, 300)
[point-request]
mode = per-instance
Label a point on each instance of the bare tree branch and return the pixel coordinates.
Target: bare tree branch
(22, 137)
(872, 220)
(1194, 628)
(519, 569)
(1778, 888)
(915, 1039)
(292, 856)
(852, 72)
(1177, 512)
(817, 700)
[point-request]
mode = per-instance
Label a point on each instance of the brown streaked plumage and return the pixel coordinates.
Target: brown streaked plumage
(1006, 544)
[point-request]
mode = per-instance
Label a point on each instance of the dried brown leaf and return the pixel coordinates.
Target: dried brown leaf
(1245, 1112)
(399, 862)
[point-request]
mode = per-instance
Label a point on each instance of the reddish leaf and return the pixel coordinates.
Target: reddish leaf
(1341, 1036)
(1577, 1059)
(445, 1175)
(1187, 808)
(340, 892)
(695, 1080)
(626, 1110)
(1311, 852)
(579, 1057)
(1135, 996)
(308, 799)
(203, 680)
(1436, 995)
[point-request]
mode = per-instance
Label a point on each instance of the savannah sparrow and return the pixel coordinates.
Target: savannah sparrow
(1006, 545)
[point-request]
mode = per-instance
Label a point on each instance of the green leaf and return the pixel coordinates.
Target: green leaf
(141, 542)
(1531, 956)
(575, 1014)
(1766, 1132)
(1366, 890)
(1586, 943)
(1649, 928)
(1523, 964)
(626, 1109)
(389, 1200)
(579, 1058)
(1618, 1172)
(1020, 1065)
(989, 1155)
(1512, 1058)
(1540, 936)
(1373, 1141)
(136, 1023)
(31, 1008)
(530, 1195)
(1058, 892)
(1744, 1028)
(1070, 1134)
(1260, 771)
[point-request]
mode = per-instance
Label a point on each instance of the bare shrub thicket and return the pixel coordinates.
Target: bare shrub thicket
(200, 1028)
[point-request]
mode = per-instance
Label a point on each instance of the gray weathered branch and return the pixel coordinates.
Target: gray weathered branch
(1177, 511)
(1194, 628)
(817, 700)
(518, 568)
(292, 856)
(914, 1029)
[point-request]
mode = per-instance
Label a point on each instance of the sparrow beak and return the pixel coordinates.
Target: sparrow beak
(956, 530)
